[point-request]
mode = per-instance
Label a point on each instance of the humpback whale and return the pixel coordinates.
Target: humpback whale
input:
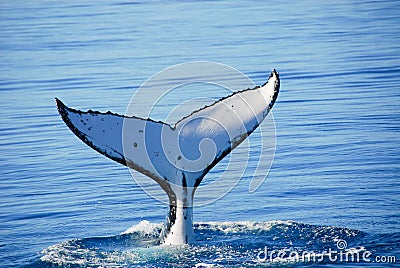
(176, 156)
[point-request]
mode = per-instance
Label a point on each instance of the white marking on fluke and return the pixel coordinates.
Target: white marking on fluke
(176, 157)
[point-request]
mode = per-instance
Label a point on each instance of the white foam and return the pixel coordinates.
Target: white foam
(65, 253)
(240, 226)
(143, 227)
(205, 265)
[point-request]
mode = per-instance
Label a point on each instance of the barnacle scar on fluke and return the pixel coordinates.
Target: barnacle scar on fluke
(174, 156)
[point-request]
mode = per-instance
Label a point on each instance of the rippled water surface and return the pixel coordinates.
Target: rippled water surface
(335, 173)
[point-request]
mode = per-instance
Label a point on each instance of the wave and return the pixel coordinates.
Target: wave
(218, 244)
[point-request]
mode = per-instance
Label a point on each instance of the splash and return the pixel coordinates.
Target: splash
(144, 227)
(218, 244)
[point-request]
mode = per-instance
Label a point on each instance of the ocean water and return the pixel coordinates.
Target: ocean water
(333, 184)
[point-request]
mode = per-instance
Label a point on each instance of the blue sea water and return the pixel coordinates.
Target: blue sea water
(335, 173)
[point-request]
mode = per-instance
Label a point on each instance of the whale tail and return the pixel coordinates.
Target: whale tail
(176, 156)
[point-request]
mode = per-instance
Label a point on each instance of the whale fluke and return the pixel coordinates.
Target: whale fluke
(176, 156)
